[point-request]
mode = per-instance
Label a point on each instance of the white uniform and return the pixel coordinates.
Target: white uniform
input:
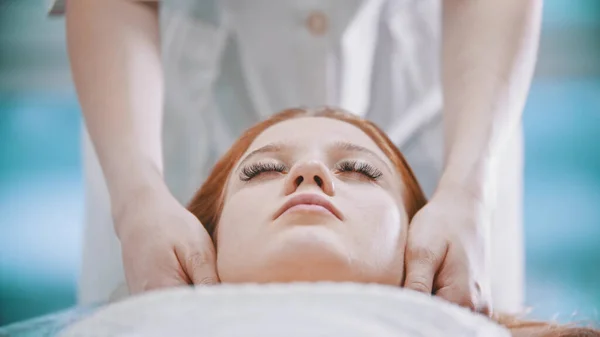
(230, 63)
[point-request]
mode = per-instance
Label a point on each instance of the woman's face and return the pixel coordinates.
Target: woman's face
(313, 199)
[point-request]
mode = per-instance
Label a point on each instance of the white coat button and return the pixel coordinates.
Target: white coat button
(316, 22)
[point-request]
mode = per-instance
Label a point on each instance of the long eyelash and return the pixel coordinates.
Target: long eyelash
(360, 167)
(252, 170)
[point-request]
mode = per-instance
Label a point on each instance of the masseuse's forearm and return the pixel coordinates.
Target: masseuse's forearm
(488, 58)
(114, 51)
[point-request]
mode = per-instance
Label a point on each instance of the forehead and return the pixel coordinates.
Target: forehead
(313, 132)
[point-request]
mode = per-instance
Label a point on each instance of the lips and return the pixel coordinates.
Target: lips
(309, 199)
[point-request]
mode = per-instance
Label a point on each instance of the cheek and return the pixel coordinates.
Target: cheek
(380, 220)
(243, 216)
(378, 211)
(380, 226)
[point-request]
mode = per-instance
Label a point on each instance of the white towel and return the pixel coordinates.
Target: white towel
(291, 310)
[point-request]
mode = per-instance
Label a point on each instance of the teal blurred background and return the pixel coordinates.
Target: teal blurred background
(41, 191)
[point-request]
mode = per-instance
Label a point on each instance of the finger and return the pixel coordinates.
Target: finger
(485, 308)
(201, 268)
(467, 296)
(421, 266)
(200, 265)
(169, 279)
(458, 294)
(163, 273)
(484, 304)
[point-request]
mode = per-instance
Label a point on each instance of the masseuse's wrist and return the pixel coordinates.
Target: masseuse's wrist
(140, 184)
(468, 179)
(141, 209)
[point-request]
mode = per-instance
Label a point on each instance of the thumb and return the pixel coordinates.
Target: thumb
(200, 266)
(422, 263)
(472, 297)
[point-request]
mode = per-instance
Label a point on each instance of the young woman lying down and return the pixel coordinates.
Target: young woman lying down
(312, 208)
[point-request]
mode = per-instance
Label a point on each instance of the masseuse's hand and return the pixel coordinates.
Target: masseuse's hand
(446, 250)
(163, 244)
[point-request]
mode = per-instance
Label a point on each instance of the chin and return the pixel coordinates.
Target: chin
(303, 254)
(310, 243)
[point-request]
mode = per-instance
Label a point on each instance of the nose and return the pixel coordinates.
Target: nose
(309, 174)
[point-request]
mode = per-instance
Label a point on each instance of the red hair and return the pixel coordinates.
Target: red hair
(207, 204)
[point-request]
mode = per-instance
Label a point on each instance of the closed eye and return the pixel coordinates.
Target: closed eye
(360, 167)
(250, 171)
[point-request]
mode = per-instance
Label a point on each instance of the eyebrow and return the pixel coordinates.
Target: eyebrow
(336, 146)
(349, 147)
(270, 148)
